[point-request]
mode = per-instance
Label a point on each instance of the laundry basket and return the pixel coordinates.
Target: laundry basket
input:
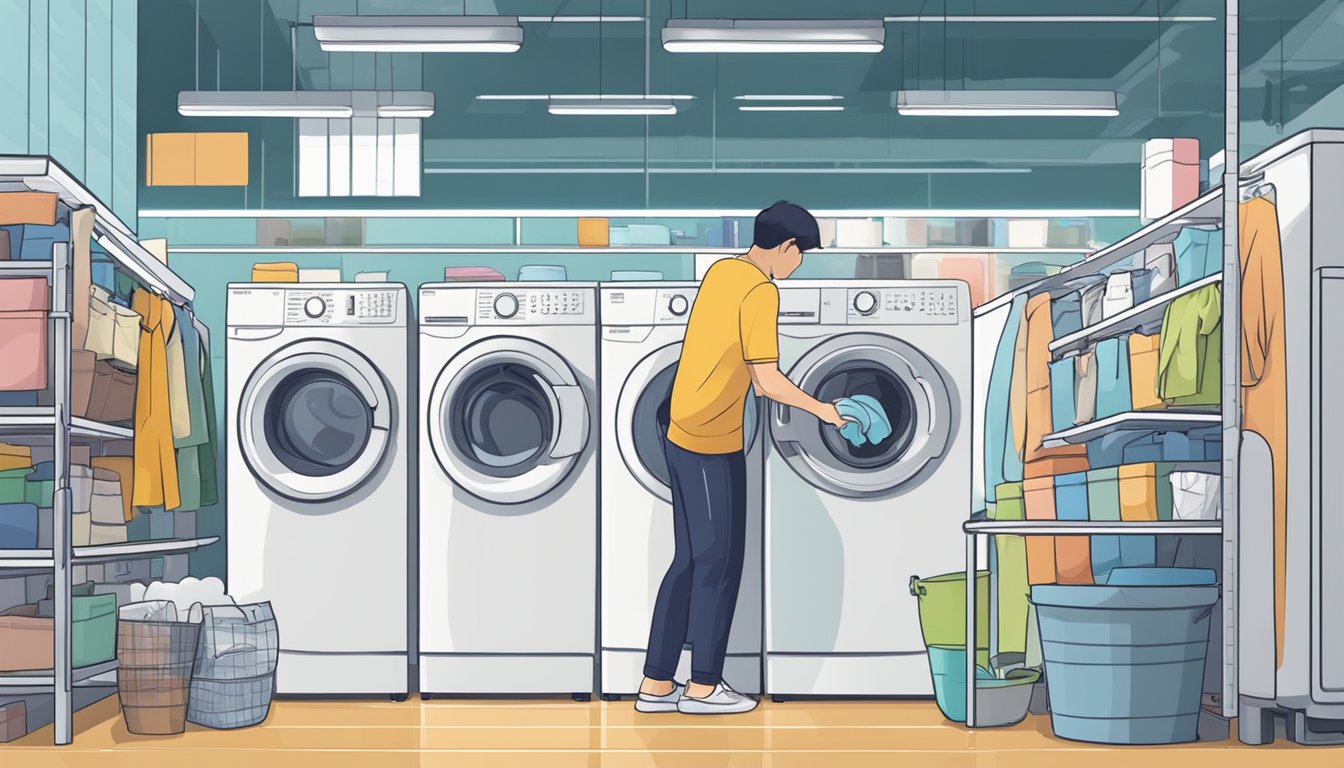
(156, 653)
(234, 679)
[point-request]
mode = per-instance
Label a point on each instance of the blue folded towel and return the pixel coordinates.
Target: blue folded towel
(868, 422)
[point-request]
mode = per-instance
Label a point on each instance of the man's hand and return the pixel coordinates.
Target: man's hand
(772, 383)
(828, 413)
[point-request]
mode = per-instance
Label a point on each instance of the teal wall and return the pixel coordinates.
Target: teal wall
(69, 89)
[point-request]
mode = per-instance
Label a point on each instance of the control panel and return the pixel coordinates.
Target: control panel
(316, 305)
(647, 305)
(884, 302)
(904, 304)
(507, 306)
(335, 306)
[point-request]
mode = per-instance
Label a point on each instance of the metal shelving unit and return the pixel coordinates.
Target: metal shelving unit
(1150, 311)
(1134, 421)
(54, 426)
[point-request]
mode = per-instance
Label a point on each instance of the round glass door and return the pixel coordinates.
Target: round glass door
(314, 421)
(912, 392)
(639, 435)
(508, 420)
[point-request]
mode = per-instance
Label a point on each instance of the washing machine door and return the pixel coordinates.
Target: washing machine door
(912, 391)
(314, 420)
(639, 437)
(508, 420)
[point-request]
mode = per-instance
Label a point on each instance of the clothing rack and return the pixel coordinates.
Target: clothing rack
(43, 174)
(1204, 210)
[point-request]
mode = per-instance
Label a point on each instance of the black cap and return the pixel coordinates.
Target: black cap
(786, 221)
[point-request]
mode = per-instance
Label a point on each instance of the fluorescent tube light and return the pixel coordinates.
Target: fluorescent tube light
(330, 104)
(419, 34)
(301, 104)
(579, 97)
(773, 36)
(1050, 19)
(1006, 103)
(611, 107)
(790, 108)
(761, 97)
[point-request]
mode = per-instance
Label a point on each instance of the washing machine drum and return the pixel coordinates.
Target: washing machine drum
(314, 421)
(642, 413)
(508, 420)
(914, 394)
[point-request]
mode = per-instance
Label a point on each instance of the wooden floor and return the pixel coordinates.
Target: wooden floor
(563, 733)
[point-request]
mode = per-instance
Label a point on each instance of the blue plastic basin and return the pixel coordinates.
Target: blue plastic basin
(1125, 663)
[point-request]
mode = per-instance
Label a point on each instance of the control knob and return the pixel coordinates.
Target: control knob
(506, 305)
(314, 307)
(678, 305)
(865, 303)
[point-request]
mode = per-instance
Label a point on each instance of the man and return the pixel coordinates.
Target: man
(731, 344)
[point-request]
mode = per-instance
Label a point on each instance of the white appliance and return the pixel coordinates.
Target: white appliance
(847, 527)
(642, 330)
(319, 478)
(508, 488)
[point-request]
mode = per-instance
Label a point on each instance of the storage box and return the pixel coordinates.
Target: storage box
(858, 233)
(1071, 502)
(904, 233)
(26, 642)
(1145, 492)
(594, 233)
(1144, 351)
(278, 272)
(13, 485)
(13, 721)
(18, 526)
(319, 275)
(1028, 233)
(28, 208)
(1170, 175)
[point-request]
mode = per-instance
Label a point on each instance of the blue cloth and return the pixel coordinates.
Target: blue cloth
(1002, 464)
(1199, 253)
(698, 595)
(38, 240)
(868, 422)
(1113, 390)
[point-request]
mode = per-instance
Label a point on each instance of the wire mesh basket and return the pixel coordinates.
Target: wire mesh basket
(234, 679)
(156, 654)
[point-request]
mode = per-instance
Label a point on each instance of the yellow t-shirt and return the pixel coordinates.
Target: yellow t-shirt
(734, 322)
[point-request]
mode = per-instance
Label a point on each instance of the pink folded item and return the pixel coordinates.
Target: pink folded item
(23, 294)
(472, 274)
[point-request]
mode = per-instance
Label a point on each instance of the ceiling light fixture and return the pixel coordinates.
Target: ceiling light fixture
(300, 104)
(773, 36)
(576, 96)
(419, 34)
(610, 106)
(761, 97)
(330, 104)
(1050, 19)
(790, 108)
(1006, 103)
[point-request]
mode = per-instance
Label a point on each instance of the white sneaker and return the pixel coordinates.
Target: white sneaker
(650, 704)
(721, 701)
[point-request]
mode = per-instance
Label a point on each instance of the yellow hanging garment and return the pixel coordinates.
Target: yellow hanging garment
(155, 462)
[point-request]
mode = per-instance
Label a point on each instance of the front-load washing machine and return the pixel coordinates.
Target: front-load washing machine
(508, 488)
(846, 527)
(319, 478)
(642, 330)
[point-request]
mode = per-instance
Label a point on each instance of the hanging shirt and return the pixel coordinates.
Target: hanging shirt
(1264, 385)
(178, 404)
(1031, 415)
(155, 463)
(1189, 367)
(1002, 462)
(208, 450)
(1198, 254)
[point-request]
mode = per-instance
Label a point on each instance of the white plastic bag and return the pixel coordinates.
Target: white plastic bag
(1196, 496)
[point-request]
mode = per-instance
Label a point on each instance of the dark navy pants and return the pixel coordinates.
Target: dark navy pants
(699, 593)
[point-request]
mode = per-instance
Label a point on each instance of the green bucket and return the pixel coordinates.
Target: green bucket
(942, 608)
